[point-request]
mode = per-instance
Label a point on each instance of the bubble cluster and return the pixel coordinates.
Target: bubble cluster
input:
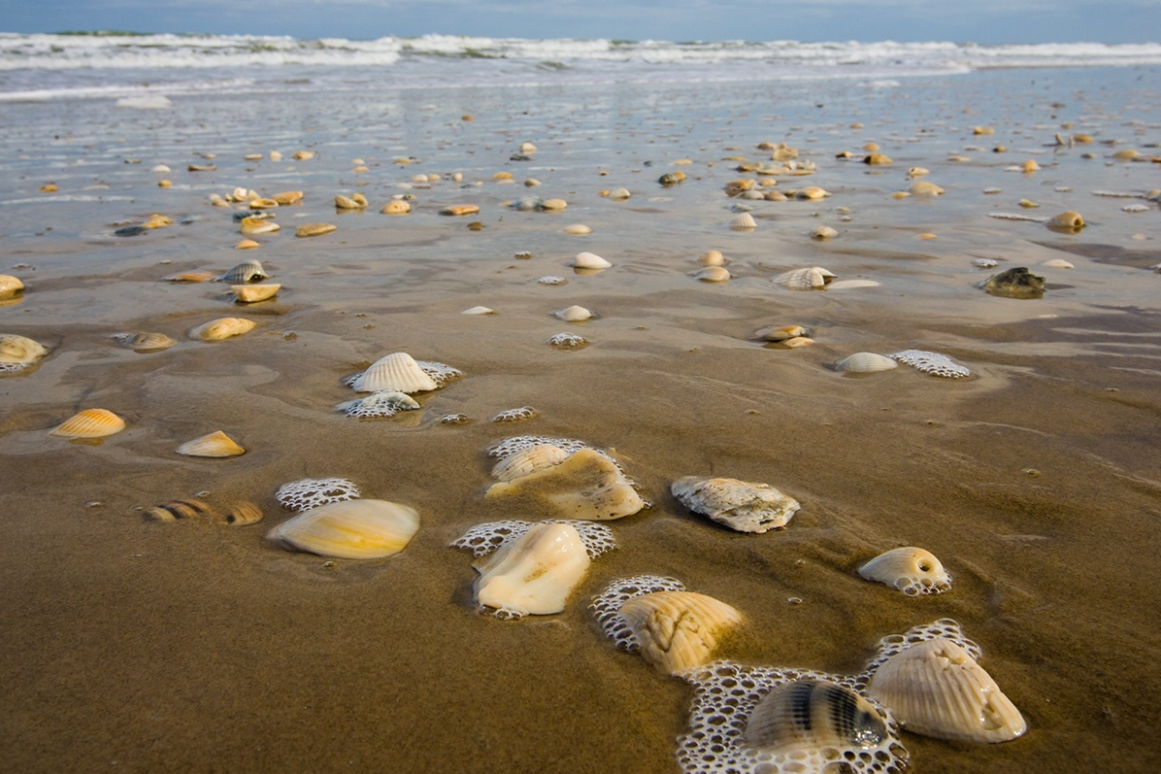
(931, 363)
(503, 448)
(439, 372)
(378, 404)
(607, 605)
(567, 341)
(483, 539)
(521, 414)
(313, 492)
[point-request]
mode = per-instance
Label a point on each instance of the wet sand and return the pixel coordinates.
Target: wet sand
(136, 646)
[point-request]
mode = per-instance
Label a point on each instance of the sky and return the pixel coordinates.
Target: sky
(960, 21)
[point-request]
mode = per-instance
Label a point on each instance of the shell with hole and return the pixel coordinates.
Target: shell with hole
(246, 271)
(222, 328)
(1069, 222)
(90, 423)
(351, 529)
(215, 444)
(935, 688)
(249, 294)
(396, 207)
(812, 278)
(678, 630)
(743, 222)
(397, 372)
(19, 352)
(534, 574)
(865, 363)
(587, 485)
(814, 718)
(740, 505)
(909, 569)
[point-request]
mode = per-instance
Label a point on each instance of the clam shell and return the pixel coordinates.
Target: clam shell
(262, 204)
(925, 188)
(246, 271)
(397, 372)
(90, 423)
(396, 207)
(10, 286)
(865, 363)
(191, 276)
(352, 529)
(534, 574)
(215, 444)
(287, 197)
(144, 341)
(248, 294)
(1057, 263)
(314, 229)
(587, 485)
(678, 630)
(711, 258)
(713, 274)
(477, 310)
(816, 716)
(937, 689)
(779, 332)
(586, 260)
(743, 222)
(909, 569)
(823, 232)
(347, 203)
(573, 314)
(813, 278)
(577, 229)
(18, 352)
(222, 328)
(529, 460)
(255, 226)
(239, 513)
(619, 194)
(460, 209)
(247, 244)
(740, 505)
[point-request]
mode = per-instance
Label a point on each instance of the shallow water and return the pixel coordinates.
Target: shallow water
(146, 646)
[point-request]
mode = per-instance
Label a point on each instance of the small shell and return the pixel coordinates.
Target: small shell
(553, 205)
(397, 372)
(744, 222)
(352, 529)
(1030, 166)
(711, 258)
(247, 271)
(911, 570)
(814, 716)
(877, 159)
(286, 198)
(925, 188)
(811, 192)
(191, 276)
(527, 147)
(144, 341)
(222, 328)
(586, 260)
(671, 178)
(619, 194)
(10, 286)
(823, 232)
(534, 574)
(577, 229)
(935, 688)
(460, 209)
(1016, 282)
(347, 203)
(779, 333)
(255, 226)
(1068, 221)
(215, 444)
(314, 229)
(865, 363)
(713, 274)
(90, 423)
(396, 207)
(479, 310)
(813, 278)
(304, 155)
(378, 405)
(247, 244)
(530, 460)
(248, 294)
(567, 341)
(678, 630)
(1128, 154)
(739, 505)
(917, 172)
(262, 204)
(239, 513)
(573, 314)
(18, 352)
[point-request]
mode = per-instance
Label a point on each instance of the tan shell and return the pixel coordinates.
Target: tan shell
(397, 372)
(779, 332)
(248, 294)
(740, 505)
(396, 207)
(1069, 220)
(287, 197)
(918, 172)
(577, 229)
(811, 193)
(247, 244)
(144, 341)
(263, 204)
(713, 274)
(314, 229)
(743, 222)
(587, 485)
(304, 155)
(865, 363)
(535, 573)
(191, 276)
(813, 278)
(711, 258)
(679, 630)
(215, 444)
(925, 188)
(459, 209)
(10, 286)
(530, 460)
(90, 423)
(619, 194)
(554, 205)
(983, 130)
(876, 159)
(157, 220)
(823, 232)
(255, 226)
(936, 689)
(909, 569)
(586, 260)
(239, 513)
(814, 717)
(19, 351)
(347, 203)
(352, 529)
(222, 328)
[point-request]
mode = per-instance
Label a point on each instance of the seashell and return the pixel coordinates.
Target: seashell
(157, 221)
(671, 178)
(678, 630)
(247, 271)
(711, 258)
(1028, 204)
(587, 485)
(823, 232)
(567, 341)
(397, 372)
(925, 188)
(191, 276)
(926, 236)
(528, 203)
(877, 159)
(1067, 221)
(589, 261)
(935, 688)
(161, 169)
(1016, 282)
(313, 492)
(460, 209)
(239, 513)
(917, 172)
(304, 155)
(144, 341)
(286, 198)
(1030, 166)
(931, 363)
(479, 310)
(983, 130)
(1057, 263)
(813, 278)
(352, 529)
(347, 203)
(1127, 154)
(527, 147)
(534, 574)
(378, 404)
(275, 156)
(577, 229)
(739, 505)
(531, 183)
(573, 314)
(814, 716)
(262, 204)
(516, 415)
(222, 328)
(529, 460)
(215, 444)
(911, 570)
(252, 157)
(798, 341)
(553, 205)
(396, 207)
(483, 539)
(865, 363)
(619, 194)
(201, 167)
(90, 423)
(248, 294)
(10, 286)
(811, 193)
(314, 229)
(256, 226)
(18, 352)
(713, 274)
(247, 244)
(779, 333)
(775, 196)
(743, 222)
(851, 284)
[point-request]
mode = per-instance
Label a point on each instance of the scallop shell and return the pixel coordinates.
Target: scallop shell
(1069, 221)
(459, 210)
(744, 222)
(249, 294)
(478, 310)
(10, 286)
(378, 405)
(865, 363)
(814, 716)
(678, 630)
(534, 574)
(925, 188)
(256, 226)
(239, 513)
(90, 423)
(144, 341)
(352, 529)
(222, 328)
(314, 229)
(18, 352)
(713, 274)
(937, 689)
(397, 372)
(587, 485)
(246, 271)
(912, 570)
(589, 261)
(529, 460)
(573, 314)
(396, 207)
(813, 278)
(215, 444)
(740, 505)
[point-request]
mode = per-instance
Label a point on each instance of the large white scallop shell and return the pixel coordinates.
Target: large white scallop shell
(397, 372)
(534, 574)
(530, 460)
(353, 529)
(740, 505)
(812, 278)
(588, 485)
(678, 630)
(90, 423)
(909, 569)
(215, 444)
(18, 352)
(937, 689)
(815, 717)
(865, 363)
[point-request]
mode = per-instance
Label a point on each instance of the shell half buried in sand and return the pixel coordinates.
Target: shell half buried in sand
(249, 294)
(222, 328)
(743, 222)
(678, 630)
(215, 444)
(90, 423)
(587, 485)
(587, 260)
(400, 372)
(246, 271)
(144, 341)
(713, 274)
(19, 352)
(534, 574)
(739, 505)
(912, 570)
(865, 363)
(238, 514)
(314, 229)
(573, 313)
(353, 529)
(811, 278)
(10, 286)
(256, 226)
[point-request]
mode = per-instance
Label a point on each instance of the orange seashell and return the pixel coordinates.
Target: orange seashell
(90, 423)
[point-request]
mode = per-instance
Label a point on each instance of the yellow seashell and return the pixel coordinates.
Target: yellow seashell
(248, 294)
(18, 352)
(396, 207)
(577, 229)
(679, 630)
(164, 183)
(1127, 154)
(10, 286)
(304, 155)
(500, 176)
(810, 193)
(314, 229)
(255, 226)
(535, 573)
(983, 130)
(263, 204)
(247, 244)
(877, 159)
(351, 529)
(222, 328)
(779, 333)
(743, 222)
(1030, 166)
(288, 197)
(459, 210)
(711, 258)
(191, 276)
(215, 444)
(823, 232)
(157, 221)
(90, 423)
(588, 485)
(713, 274)
(48, 188)
(926, 236)
(275, 156)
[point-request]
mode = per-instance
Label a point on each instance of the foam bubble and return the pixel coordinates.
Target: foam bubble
(607, 605)
(313, 492)
(483, 539)
(931, 363)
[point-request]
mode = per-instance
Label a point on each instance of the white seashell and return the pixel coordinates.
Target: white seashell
(937, 689)
(160, 169)
(814, 718)
(222, 328)
(534, 574)
(590, 261)
(247, 271)
(678, 630)
(740, 505)
(823, 232)
(779, 332)
(10, 286)
(853, 284)
(397, 372)
(811, 193)
(744, 222)
(18, 352)
(917, 172)
(865, 363)
(713, 274)
(1136, 208)
(587, 485)
(813, 278)
(249, 294)
(378, 404)
(216, 444)
(352, 529)
(90, 423)
(985, 263)
(573, 314)
(909, 569)
(529, 460)
(313, 492)
(479, 310)
(1057, 263)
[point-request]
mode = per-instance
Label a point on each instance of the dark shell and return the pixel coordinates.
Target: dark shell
(814, 714)
(1016, 282)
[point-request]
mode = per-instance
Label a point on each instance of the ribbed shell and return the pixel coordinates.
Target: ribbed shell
(19, 351)
(815, 715)
(936, 689)
(812, 278)
(678, 630)
(865, 363)
(534, 574)
(144, 341)
(573, 314)
(352, 529)
(215, 444)
(90, 423)
(397, 372)
(740, 505)
(909, 569)
(586, 260)
(248, 294)
(743, 222)
(529, 460)
(314, 229)
(222, 328)
(247, 271)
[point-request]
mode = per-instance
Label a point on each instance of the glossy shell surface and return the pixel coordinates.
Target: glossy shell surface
(90, 423)
(534, 574)
(353, 529)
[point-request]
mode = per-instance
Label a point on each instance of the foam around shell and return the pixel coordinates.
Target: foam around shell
(378, 405)
(909, 569)
(678, 630)
(535, 573)
(310, 493)
(606, 606)
(815, 717)
(740, 505)
(90, 423)
(354, 529)
(931, 363)
(529, 460)
(483, 539)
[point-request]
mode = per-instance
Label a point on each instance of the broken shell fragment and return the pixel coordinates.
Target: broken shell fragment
(814, 718)
(813, 278)
(530, 460)
(587, 485)
(215, 444)
(678, 630)
(90, 423)
(352, 529)
(239, 513)
(249, 294)
(314, 229)
(222, 328)
(909, 569)
(740, 505)
(865, 363)
(534, 574)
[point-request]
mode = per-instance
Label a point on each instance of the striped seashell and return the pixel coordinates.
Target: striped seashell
(912, 570)
(286, 198)
(573, 313)
(144, 341)
(577, 229)
(678, 630)
(239, 513)
(314, 229)
(585, 260)
(865, 363)
(534, 574)
(18, 352)
(397, 372)
(10, 286)
(935, 688)
(743, 222)
(247, 271)
(713, 274)
(215, 444)
(249, 294)
(396, 207)
(90, 423)
(222, 328)
(256, 226)
(739, 505)
(457, 210)
(352, 529)
(813, 278)
(529, 460)
(814, 717)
